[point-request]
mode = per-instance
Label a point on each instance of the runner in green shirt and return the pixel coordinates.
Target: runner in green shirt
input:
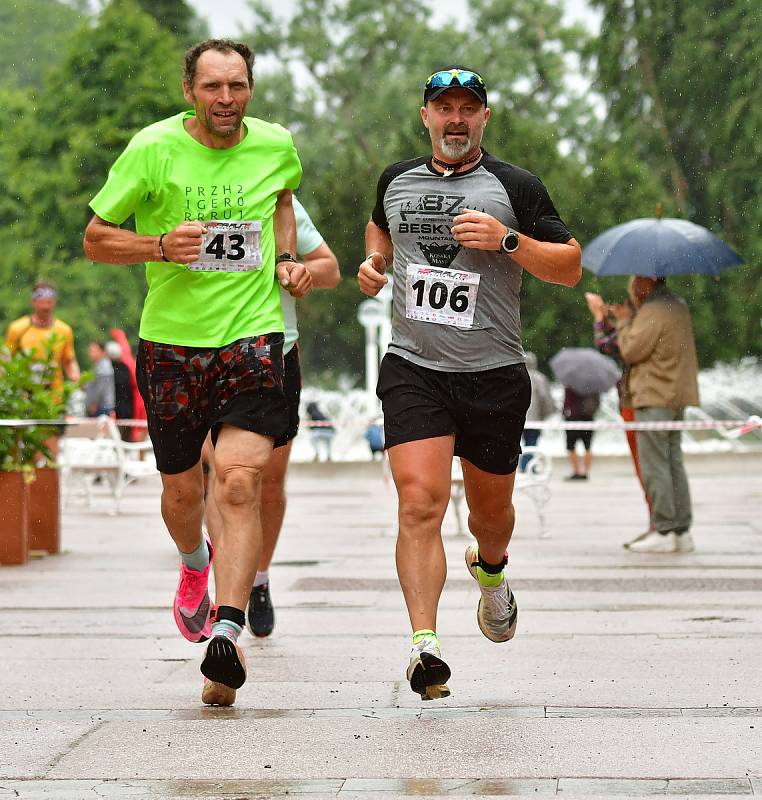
(210, 191)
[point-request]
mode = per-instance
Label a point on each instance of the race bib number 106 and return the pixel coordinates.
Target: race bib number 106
(230, 247)
(442, 296)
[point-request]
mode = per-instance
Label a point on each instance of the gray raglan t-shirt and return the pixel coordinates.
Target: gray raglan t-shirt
(456, 309)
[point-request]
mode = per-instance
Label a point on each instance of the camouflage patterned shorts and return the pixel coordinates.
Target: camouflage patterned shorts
(188, 391)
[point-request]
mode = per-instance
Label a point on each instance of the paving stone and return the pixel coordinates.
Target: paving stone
(613, 648)
(29, 748)
(720, 787)
(487, 747)
(163, 790)
(452, 788)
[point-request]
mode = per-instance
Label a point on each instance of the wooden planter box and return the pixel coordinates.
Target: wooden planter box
(44, 511)
(14, 518)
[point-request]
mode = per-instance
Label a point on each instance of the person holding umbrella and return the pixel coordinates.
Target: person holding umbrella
(659, 347)
(605, 340)
(579, 408)
(584, 373)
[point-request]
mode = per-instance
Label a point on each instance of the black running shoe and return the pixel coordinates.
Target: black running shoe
(224, 663)
(260, 612)
(427, 673)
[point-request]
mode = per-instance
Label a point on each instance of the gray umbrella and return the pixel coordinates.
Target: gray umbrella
(656, 248)
(585, 370)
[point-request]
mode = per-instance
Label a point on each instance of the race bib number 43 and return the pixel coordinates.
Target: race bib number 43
(442, 296)
(230, 247)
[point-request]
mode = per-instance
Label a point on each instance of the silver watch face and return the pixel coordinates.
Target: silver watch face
(510, 243)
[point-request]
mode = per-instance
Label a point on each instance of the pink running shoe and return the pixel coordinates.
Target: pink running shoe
(192, 606)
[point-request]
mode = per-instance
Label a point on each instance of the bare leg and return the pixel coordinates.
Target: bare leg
(212, 515)
(182, 507)
(273, 503)
(491, 515)
(574, 461)
(239, 462)
(588, 461)
(421, 472)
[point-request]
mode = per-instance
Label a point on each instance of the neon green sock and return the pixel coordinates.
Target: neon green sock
(487, 578)
(424, 633)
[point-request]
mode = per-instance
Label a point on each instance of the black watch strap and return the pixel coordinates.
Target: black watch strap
(285, 257)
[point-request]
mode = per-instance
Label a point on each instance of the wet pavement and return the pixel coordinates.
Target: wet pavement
(630, 676)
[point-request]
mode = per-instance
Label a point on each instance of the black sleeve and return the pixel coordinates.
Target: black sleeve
(531, 202)
(379, 215)
(387, 176)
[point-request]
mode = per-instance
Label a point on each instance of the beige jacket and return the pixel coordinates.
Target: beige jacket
(658, 345)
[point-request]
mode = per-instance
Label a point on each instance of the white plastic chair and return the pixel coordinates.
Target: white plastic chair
(94, 448)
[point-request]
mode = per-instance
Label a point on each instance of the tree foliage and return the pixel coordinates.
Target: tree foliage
(31, 33)
(680, 83)
(119, 74)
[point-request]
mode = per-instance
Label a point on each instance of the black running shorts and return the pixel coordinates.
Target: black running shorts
(485, 410)
(292, 388)
(586, 437)
(188, 391)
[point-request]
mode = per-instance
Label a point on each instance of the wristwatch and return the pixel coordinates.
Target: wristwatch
(285, 257)
(510, 242)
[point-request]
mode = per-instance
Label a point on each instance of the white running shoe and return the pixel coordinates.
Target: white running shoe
(684, 542)
(427, 673)
(655, 542)
(497, 612)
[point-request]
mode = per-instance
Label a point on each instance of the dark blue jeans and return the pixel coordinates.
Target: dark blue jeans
(530, 438)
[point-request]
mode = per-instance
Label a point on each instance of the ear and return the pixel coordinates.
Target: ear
(487, 114)
(188, 93)
(425, 116)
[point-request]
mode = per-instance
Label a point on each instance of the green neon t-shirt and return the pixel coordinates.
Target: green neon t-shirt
(165, 176)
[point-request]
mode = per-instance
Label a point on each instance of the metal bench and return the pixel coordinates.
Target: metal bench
(533, 481)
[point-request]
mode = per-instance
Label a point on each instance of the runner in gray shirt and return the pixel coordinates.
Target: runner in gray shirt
(457, 228)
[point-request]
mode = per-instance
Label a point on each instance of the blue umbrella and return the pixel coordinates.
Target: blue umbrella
(656, 248)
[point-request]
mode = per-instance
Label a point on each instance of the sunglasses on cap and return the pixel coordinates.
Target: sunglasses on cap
(447, 78)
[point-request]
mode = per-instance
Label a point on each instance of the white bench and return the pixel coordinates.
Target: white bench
(533, 482)
(93, 449)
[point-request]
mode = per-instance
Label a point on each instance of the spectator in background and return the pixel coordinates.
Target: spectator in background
(606, 342)
(579, 408)
(40, 330)
(99, 393)
(540, 408)
(374, 435)
(659, 347)
(123, 404)
(321, 435)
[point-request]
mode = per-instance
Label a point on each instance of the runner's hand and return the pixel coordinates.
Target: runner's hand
(478, 230)
(370, 276)
(294, 277)
(183, 244)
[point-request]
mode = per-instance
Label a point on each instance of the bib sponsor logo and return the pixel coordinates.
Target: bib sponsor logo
(439, 255)
(429, 220)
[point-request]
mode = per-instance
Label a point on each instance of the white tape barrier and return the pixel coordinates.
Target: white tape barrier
(743, 426)
(733, 427)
